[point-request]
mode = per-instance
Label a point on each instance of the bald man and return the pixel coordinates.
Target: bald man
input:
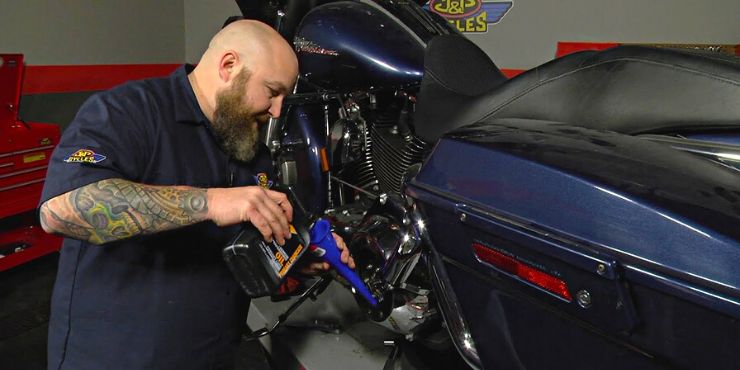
(148, 183)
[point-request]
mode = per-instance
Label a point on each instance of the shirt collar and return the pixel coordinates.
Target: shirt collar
(187, 109)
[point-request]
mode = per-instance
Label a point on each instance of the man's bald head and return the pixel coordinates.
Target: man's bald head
(247, 71)
(243, 44)
(254, 42)
(246, 37)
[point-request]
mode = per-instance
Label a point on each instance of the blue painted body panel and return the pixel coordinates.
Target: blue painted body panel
(632, 199)
(305, 130)
(663, 223)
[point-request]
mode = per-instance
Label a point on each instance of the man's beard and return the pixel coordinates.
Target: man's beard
(234, 124)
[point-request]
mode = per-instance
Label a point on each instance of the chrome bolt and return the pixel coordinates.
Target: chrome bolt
(584, 298)
(406, 221)
(383, 198)
(601, 269)
(463, 217)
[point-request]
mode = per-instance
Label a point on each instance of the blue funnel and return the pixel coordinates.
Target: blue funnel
(323, 241)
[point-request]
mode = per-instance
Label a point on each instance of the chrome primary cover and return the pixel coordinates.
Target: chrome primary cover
(386, 248)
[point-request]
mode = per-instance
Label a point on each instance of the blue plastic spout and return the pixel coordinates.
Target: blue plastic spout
(323, 245)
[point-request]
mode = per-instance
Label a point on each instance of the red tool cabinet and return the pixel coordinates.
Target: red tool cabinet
(25, 149)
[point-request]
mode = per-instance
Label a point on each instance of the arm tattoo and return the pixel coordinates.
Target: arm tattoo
(116, 209)
(71, 228)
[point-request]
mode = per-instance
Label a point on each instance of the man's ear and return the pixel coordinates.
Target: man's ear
(227, 66)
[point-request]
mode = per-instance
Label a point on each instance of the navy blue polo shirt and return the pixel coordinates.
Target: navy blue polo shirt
(163, 301)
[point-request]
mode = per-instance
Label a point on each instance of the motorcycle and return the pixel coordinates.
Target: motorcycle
(584, 214)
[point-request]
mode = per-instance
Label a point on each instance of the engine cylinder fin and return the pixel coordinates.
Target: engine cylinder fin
(392, 155)
(361, 171)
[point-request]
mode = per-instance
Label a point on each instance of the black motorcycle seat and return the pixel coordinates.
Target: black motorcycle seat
(627, 89)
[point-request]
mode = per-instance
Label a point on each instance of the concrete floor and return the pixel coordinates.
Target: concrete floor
(354, 343)
(25, 292)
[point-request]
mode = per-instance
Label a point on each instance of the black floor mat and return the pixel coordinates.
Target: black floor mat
(24, 313)
(25, 292)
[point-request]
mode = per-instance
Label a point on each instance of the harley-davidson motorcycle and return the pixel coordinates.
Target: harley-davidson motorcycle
(584, 214)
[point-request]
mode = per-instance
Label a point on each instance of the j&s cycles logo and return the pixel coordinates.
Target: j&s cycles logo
(471, 15)
(262, 180)
(85, 156)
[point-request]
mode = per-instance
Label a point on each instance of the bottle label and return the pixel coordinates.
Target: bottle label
(282, 258)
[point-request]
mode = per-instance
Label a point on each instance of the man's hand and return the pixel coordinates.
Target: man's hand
(314, 268)
(269, 211)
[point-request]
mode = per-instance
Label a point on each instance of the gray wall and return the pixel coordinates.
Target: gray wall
(93, 31)
(203, 19)
(528, 34)
(173, 31)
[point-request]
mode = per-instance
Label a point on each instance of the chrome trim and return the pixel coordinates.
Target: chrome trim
(9, 164)
(27, 170)
(22, 184)
(452, 312)
(279, 15)
(448, 304)
(27, 150)
(288, 172)
(271, 135)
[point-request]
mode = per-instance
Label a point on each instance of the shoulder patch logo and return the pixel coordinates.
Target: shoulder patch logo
(262, 180)
(85, 156)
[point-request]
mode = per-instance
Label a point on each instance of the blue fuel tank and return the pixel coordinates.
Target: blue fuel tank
(352, 45)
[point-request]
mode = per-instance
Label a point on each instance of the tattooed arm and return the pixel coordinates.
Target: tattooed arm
(116, 209)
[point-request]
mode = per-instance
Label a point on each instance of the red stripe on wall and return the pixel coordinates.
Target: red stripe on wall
(512, 72)
(73, 78)
(565, 48)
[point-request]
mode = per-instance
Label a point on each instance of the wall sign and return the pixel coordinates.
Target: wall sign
(471, 15)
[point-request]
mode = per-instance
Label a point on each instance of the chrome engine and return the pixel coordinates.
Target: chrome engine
(377, 149)
(393, 255)
(387, 248)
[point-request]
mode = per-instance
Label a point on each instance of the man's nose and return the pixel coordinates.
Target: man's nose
(277, 105)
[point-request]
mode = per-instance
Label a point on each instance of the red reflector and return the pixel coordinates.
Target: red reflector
(530, 274)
